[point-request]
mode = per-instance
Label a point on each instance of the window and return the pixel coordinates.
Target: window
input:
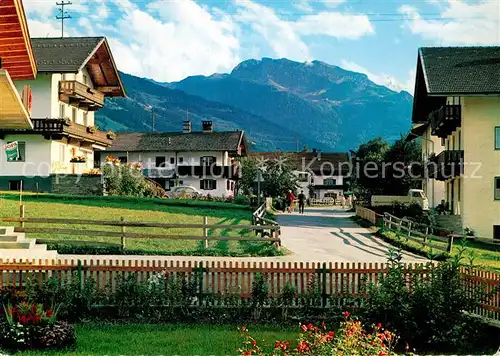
(496, 232)
(181, 182)
(15, 184)
(443, 141)
(497, 188)
(497, 138)
(172, 160)
(73, 115)
(62, 110)
(181, 159)
(21, 149)
(208, 184)
(303, 177)
(160, 161)
(86, 119)
(330, 181)
(207, 160)
(123, 159)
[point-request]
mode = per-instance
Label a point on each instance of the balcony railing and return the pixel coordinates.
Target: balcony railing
(65, 127)
(446, 165)
(74, 92)
(446, 120)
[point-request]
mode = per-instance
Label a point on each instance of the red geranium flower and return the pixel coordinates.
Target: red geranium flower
(302, 347)
(304, 328)
(243, 328)
(49, 313)
(346, 314)
(379, 326)
(310, 326)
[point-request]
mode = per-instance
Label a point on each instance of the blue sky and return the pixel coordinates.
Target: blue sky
(168, 40)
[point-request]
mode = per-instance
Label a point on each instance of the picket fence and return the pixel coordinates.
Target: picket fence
(336, 282)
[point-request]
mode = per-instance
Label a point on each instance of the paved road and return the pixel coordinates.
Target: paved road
(328, 234)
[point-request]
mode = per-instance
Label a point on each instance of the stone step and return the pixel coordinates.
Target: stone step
(15, 245)
(6, 230)
(27, 255)
(10, 238)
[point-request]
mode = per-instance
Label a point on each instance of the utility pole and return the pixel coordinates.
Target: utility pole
(153, 118)
(63, 15)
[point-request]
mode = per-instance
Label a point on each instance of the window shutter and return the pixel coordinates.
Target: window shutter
(215, 184)
(201, 184)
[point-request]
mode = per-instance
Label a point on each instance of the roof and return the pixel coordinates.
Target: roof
(461, 70)
(309, 161)
(178, 141)
(15, 46)
(416, 130)
(72, 54)
(68, 54)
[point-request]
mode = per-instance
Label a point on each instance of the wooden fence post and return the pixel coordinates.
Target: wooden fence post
(205, 230)
(21, 214)
(122, 238)
(450, 244)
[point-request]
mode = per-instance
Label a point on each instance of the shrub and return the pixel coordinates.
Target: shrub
(430, 314)
(241, 200)
(351, 339)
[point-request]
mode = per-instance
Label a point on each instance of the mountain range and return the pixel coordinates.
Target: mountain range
(281, 104)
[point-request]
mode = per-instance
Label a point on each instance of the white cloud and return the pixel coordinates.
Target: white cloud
(303, 5)
(280, 35)
(173, 40)
(383, 79)
(461, 23)
(335, 24)
(285, 37)
(333, 3)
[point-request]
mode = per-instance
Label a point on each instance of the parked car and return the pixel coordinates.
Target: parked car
(183, 192)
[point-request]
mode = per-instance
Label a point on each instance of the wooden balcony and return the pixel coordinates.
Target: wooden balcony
(58, 128)
(75, 93)
(445, 120)
(446, 165)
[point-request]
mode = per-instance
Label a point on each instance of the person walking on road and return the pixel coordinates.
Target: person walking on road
(290, 200)
(302, 199)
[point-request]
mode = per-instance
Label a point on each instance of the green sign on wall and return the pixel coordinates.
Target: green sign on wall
(12, 151)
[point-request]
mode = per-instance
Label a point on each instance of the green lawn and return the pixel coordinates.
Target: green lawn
(482, 255)
(144, 210)
(144, 339)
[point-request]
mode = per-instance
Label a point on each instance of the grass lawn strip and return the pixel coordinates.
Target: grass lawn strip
(145, 339)
(144, 210)
(482, 256)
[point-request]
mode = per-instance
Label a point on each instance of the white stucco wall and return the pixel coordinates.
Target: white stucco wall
(480, 210)
(41, 94)
(37, 162)
(148, 160)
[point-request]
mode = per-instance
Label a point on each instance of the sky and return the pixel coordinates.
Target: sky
(168, 40)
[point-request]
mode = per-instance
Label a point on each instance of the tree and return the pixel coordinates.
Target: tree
(279, 177)
(384, 169)
(368, 168)
(249, 167)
